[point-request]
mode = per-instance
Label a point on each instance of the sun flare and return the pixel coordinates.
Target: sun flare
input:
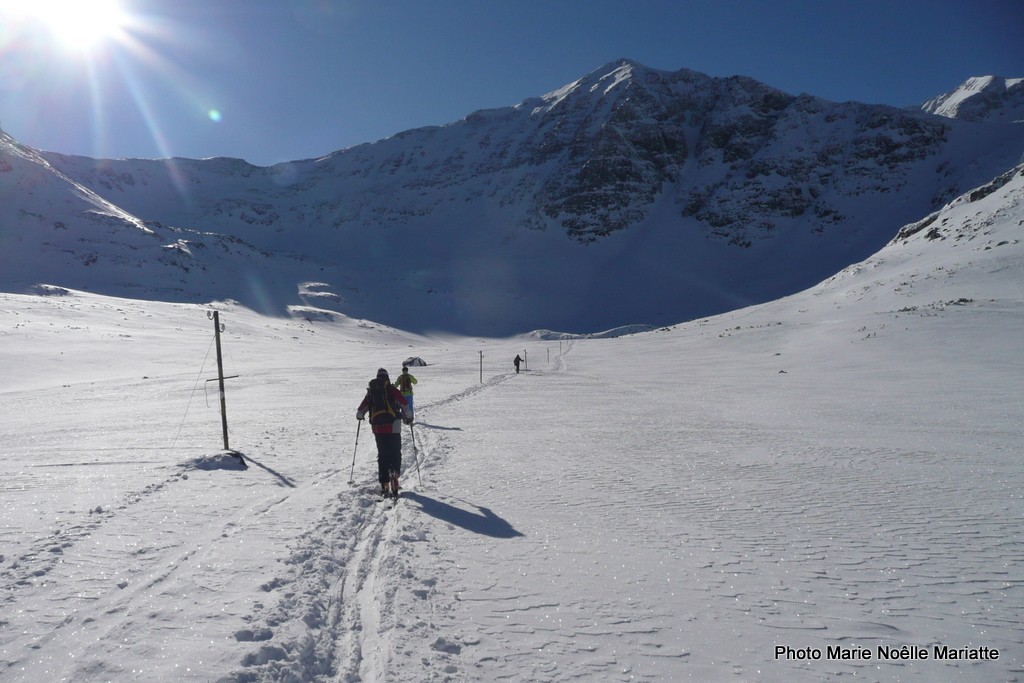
(75, 25)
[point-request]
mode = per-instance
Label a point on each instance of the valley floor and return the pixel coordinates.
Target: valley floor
(749, 498)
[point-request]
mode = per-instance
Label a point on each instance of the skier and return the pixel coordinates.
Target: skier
(404, 384)
(516, 363)
(387, 408)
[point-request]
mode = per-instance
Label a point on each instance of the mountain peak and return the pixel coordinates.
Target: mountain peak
(982, 98)
(609, 75)
(621, 62)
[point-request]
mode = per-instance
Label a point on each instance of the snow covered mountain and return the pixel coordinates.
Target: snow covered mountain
(629, 196)
(56, 231)
(985, 98)
(838, 476)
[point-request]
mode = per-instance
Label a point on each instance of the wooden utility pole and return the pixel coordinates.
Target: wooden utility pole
(220, 380)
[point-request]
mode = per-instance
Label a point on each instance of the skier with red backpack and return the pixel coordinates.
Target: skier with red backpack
(387, 409)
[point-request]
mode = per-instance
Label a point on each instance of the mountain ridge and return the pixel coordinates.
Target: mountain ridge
(553, 213)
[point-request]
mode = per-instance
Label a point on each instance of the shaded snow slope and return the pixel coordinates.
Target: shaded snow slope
(838, 469)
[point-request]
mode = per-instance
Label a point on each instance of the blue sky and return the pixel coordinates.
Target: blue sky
(278, 80)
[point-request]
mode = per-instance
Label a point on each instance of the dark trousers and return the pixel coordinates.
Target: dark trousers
(389, 456)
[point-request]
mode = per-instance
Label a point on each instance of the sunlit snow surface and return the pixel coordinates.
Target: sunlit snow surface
(840, 469)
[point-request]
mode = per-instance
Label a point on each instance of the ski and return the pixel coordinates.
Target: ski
(394, 488)
(388, 495)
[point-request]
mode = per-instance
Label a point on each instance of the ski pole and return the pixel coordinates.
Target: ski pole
(416, 452)
(351, 476)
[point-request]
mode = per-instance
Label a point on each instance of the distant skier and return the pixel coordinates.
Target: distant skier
(404, 384)
(516, 363)
(387, 409)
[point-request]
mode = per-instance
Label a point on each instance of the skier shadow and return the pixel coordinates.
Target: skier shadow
(282, 479)
(484, 522)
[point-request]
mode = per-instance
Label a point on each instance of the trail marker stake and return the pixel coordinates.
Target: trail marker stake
(217, 329)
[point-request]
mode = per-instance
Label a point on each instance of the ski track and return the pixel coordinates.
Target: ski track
(330, 615)
(352, 622)
(80, 563)
(45, 553)
(52, 571)
(825, 543)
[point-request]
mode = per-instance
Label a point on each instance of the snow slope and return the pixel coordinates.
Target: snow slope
(838, 469)
(982, 98)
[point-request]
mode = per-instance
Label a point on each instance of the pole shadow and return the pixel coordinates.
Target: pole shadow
(427, 425)
(282, 479)
(484, 522)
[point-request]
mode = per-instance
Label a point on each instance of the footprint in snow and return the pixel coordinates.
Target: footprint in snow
(444, 645)
(248, 635)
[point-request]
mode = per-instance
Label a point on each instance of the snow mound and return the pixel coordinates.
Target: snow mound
(313, 314)
(225, 460)
(48, 290)
(621, 331)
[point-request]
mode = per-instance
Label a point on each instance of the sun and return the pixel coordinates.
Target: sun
(76, 25)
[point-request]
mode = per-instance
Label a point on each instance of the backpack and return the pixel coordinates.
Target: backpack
(382, 408)
(404, 383)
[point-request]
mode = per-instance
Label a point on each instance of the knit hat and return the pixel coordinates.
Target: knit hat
(381, 372)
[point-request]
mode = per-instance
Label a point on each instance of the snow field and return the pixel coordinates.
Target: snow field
(836, 472)
(682, 517)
